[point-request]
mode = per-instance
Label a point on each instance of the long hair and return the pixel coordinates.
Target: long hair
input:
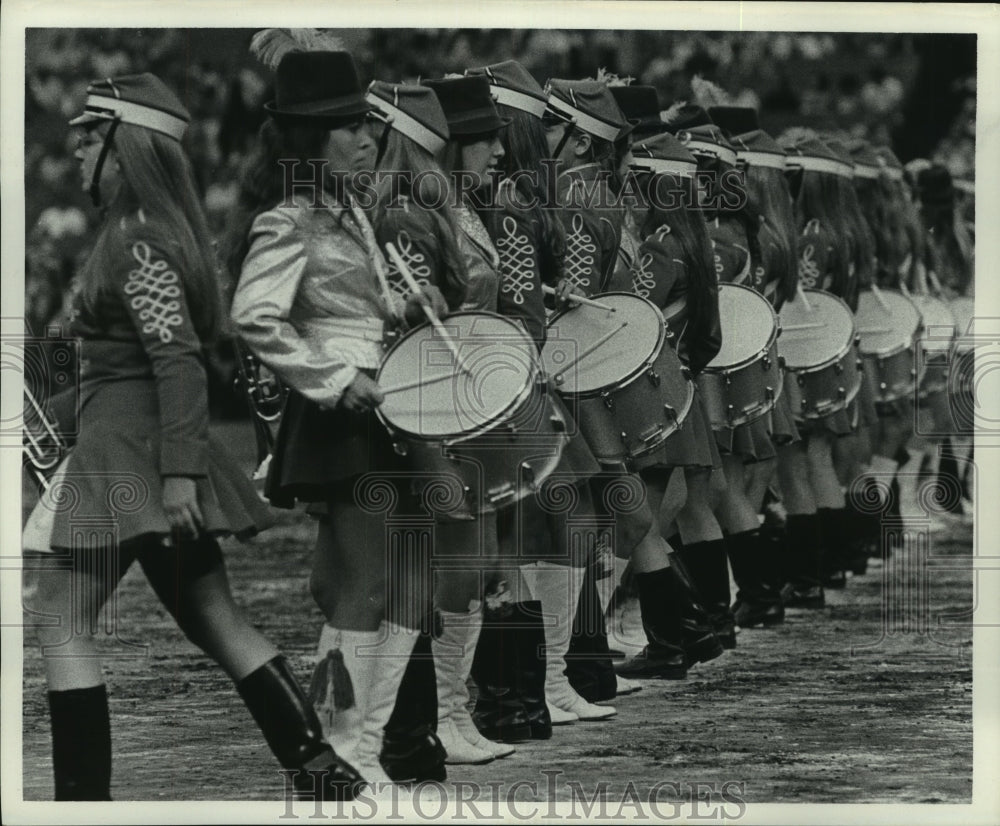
(861, 240)
(816, 197)
(158, 179)
(887, 223)
(264, 183)
(404, 155)
(525, 147)
(689, 228)
(769, 197)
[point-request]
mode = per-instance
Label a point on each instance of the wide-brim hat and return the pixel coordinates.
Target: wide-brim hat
(468, 105)
(663, 154)
(734, 120)
(640, 105)
(839, 148)
(757, 148)
(512, 85)
(589, 106)
(140, 100)
(867, 163)
(320, 88)
(809, 153)
(413, 111)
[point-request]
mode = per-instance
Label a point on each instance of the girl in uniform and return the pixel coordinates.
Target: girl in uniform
(144, 470)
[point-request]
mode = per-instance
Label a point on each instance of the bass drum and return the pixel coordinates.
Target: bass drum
(614, 367)
(819, 346)
(889, 325)
(492, 429)
(744, 380)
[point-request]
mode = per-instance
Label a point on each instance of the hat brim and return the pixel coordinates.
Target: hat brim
(88, 118)
(340, 112)
(479, 126)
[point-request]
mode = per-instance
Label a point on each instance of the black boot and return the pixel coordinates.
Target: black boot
(856, 536)
(700, 641)
(500, 713)
(81, 743)
(660, 604)
(706, 563)
(411, 750)
(293, 731)
(836, 553)
(757, 602)
(589, 666)
(530, 639)
(803, 563)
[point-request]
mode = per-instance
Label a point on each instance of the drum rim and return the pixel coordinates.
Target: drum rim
(485, 427)
(895, 349)
(771, 342)
(851, 342)
(629, 377)
(681, 418)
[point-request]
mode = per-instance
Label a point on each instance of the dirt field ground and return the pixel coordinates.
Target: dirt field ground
(868, 700)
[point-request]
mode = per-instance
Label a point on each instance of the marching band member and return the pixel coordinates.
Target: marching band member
(763, 163)
(476, 150)
(145, 465)
(308, 304)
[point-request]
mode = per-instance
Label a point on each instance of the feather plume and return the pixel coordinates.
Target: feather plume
(670, 115)
(708, 94)
(270, 45)
(611, 79)
(795, 134)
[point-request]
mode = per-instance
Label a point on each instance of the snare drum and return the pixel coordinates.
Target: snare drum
(820, 350)
(743, 381)
(627, 385)
(494, 427)
(889, 325)
(935, 342)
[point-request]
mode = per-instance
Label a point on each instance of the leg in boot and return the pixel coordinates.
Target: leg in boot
(834, 572)
(757, 603)
(293, 731)
(588, 661)
(529, 639)
(663, 656)
(411, 750)
(500, 713)
(81, 743)
(453, 656)
(700, 641)
(557, 587)
(804, 563)
(707, 564)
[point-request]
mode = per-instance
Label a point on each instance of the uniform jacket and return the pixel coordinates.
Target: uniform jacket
(141, 330)
(593, 226)
(819, 259)
(309, 303)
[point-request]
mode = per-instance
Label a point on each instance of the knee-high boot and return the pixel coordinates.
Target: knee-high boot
(708, 567)
(501, 714)
(589, 667)
(293, 731)
(81, 743)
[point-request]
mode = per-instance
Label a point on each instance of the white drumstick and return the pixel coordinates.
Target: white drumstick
(874, 331)
(805, 301)
(431, 315)
(579, 298)
(880, 298)
(386, 292)
(790, 327)
(411, 385)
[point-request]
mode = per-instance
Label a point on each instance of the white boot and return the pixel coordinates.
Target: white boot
(557, 587)
(453, 654)
(358, 704)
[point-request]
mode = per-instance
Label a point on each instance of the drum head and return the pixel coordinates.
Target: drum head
(748, 326)
(886, 330)
(939, 324)
(502, 364)
(572, 333)
(815, 329)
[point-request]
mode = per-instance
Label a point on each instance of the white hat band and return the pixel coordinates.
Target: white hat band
(408, 125)
(586, 122)
(658, 166)
(713, 150)
(135, 113)
(772, 160)
(518, 100)
(871, 173)
(813, 164)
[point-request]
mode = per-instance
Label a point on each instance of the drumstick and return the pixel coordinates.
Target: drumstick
(805, 301)
(431, 315)
(791, 327)
(398, 388)
(558, 376)
(874, 331)
(573, 297)
(880, 298)
(386, 292)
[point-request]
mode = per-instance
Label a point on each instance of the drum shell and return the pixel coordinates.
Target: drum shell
(895, 376)
(817, 392)
(636, 417)
(745, 392)
(501, 465)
